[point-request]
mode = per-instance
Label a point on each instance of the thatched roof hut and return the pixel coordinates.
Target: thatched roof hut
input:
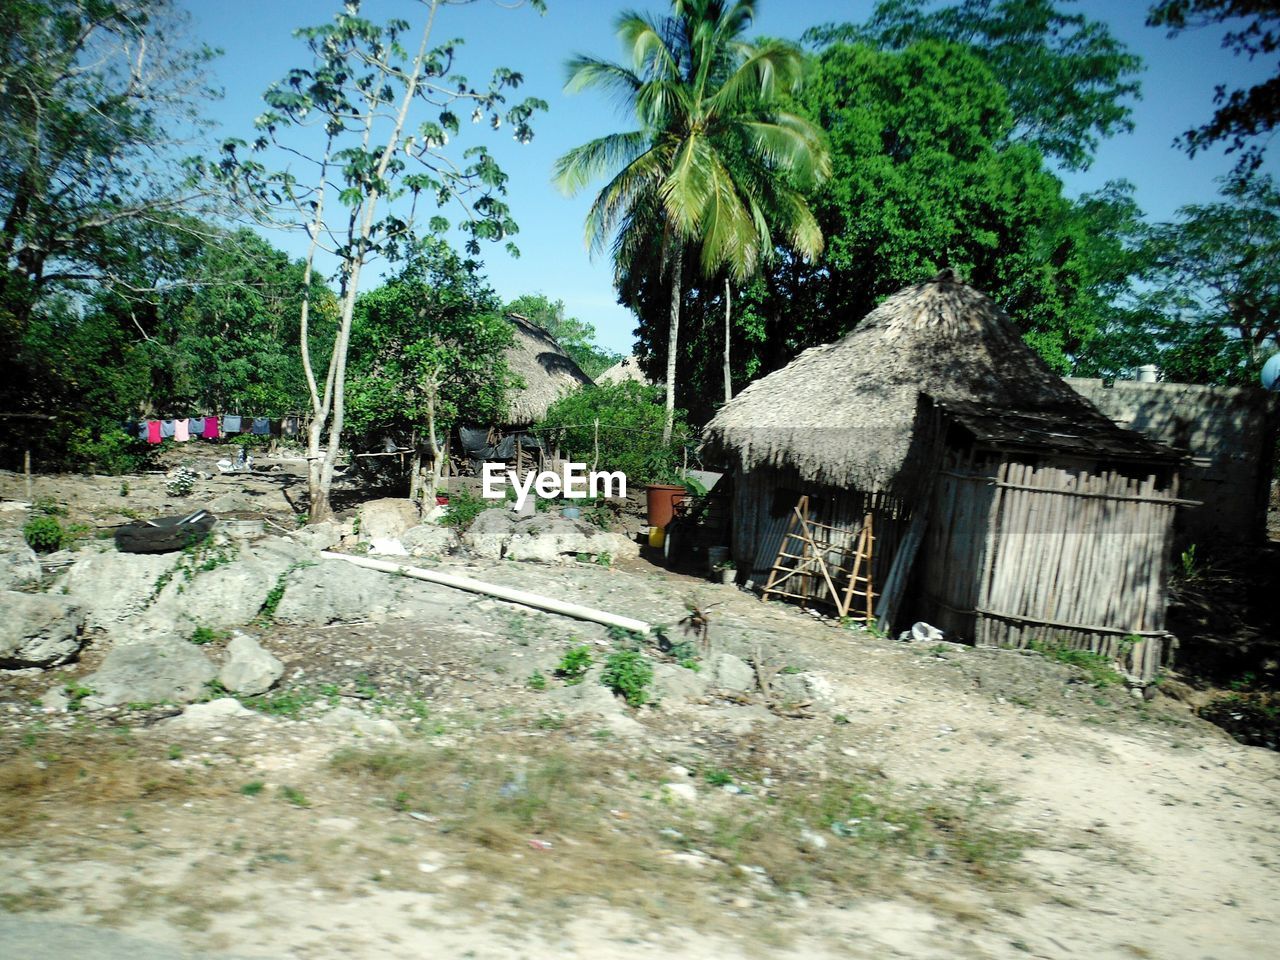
(846, 413)
(547, 371)
(628, 368)
(933, 427)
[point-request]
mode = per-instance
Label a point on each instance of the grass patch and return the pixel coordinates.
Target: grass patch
(1097, 669)
(574, 665)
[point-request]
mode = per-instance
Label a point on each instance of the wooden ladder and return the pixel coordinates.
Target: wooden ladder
(807, 552)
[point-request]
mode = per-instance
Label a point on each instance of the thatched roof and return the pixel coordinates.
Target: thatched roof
(847, 413)
(628, 368)
(547, 371)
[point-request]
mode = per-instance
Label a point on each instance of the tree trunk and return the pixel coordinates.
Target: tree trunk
(728, 337)
(673, 336)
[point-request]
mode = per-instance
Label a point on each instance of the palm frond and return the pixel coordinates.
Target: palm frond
(597, 158)
(592, 73)
(637, 179)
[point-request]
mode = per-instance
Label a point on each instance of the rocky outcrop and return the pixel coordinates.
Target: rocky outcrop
(386, 519)
(249, 670)
(151, 670)
(39, 630)
(548, 538)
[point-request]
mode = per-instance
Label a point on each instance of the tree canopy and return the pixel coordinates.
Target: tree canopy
(1069, 82)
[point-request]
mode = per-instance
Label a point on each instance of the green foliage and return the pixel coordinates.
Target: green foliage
(205, 635)
(1070, 83)
(429, 342)
(574, 665)
(631, 420)
(44, 534)
(925, 176)
(717, 165)
(1212, 314)
(536, 681)
(462, 508)
(76, 692)
(252, 788)
(1098, 669)
(628, 674)
(283, 703)
(1242, 115)
(294, 796)
(717, 778)
(577, 337)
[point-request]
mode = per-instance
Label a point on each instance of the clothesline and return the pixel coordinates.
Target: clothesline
(183, 429)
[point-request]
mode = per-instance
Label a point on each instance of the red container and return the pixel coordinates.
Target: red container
(662, 499)
(441, 500)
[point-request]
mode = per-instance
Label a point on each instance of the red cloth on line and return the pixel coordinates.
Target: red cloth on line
(211, 428)
(153, 431)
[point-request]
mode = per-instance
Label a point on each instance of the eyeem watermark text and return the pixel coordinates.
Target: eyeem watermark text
(574, 482)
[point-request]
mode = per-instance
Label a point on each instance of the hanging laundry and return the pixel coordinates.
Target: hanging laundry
(153, 431)
(130, 428)
(290, 427)
(230, 424)
(211, 428)
(261, 426)
(167, 428)
(181, 430)
(196, 426)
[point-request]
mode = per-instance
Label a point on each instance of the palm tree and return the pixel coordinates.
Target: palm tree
(716, 161)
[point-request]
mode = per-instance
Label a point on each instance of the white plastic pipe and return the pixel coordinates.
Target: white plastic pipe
(502, 593)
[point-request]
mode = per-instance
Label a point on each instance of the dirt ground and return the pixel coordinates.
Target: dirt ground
(409, 790)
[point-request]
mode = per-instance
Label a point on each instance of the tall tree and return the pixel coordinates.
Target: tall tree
(1214, 307)
(427, 354)
(1070, 82)
(95, 99)
(364, 91)
(1242, 115)
(701, 95)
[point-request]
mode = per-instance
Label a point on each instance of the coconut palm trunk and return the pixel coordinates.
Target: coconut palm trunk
(673, 336)
(728, 337)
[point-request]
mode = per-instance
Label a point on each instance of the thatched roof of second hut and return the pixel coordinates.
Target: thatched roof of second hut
(547, 371)
(845, 414)
(628, 368)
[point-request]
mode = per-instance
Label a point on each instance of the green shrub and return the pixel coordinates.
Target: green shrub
(574, 665)
(463, 507)
(630, 438)
(628, 674)
(44, 534)
(537, 681)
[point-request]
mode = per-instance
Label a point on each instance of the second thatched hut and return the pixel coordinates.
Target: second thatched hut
(1004, 507)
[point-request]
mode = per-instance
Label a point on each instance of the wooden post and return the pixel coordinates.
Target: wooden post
(595, 440)
(26, 472)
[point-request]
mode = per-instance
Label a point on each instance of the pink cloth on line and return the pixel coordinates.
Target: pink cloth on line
(153, 431)
(181, 430)
(211, 428)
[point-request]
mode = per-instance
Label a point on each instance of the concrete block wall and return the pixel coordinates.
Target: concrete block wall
(1230, 434)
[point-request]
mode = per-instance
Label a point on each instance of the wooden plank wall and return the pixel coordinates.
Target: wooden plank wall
(1065, 555)
(757, 532)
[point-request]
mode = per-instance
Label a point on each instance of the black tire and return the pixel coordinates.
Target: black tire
(166, 536)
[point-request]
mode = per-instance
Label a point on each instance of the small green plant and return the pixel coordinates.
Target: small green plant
(1191, 567)
(294, 796)
(717, 777)
(462, 508)
(536, 681)
(276, 593)
(175, 752)
(628, 674)
(76, 692)
(574, 665)
(124, 488)
(1097, 668)
(252, 788)
(203, 635)
(690, 664)
(605, 560)
(49, 507)
(550, 721)
(286, 703)
(44, 534)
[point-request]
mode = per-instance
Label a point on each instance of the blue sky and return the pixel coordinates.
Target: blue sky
(258, 48)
